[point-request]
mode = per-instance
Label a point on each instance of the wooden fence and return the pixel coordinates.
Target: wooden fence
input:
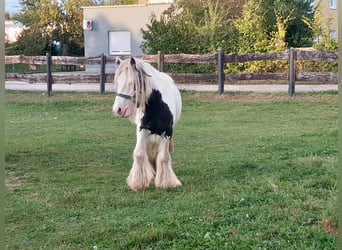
(291, 56)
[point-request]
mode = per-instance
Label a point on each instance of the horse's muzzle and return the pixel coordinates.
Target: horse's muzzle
(122, 112)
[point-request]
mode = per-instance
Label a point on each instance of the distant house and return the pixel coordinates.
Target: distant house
(13, 29)
(116, 30)
(329, 11)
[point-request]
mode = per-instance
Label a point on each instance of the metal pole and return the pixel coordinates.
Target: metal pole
(292, 72)
(48, 74)
(103, 74)
(220, 63)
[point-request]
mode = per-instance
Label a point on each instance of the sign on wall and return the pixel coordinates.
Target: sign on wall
(119, 43)
(87, 24)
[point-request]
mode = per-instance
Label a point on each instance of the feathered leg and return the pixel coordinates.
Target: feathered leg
(142, 172)
(165, 177)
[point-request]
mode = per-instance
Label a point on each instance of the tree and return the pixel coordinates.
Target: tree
(55, 20)
(280, 21)
(72, 19)
(29, 43)
(7, 16)
(298, 33)
(264, 27)
(170, 27)
(252, 33)
(61, 21)
(193, 26)
(291, 13)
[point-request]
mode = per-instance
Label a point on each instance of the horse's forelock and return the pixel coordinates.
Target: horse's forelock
(139, 78)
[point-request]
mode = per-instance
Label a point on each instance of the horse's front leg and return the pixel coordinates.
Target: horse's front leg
(165, 177)
(142, 172)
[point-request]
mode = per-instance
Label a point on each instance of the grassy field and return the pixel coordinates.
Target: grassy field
(258, 172)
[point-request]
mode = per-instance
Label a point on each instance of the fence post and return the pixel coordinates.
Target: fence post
(103, 74)
(292, 73)
(220, 63)
(48, 74)
(160, 61)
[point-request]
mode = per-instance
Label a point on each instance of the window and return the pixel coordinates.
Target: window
(332, 4)
(332, 34)
(119, 43)
(317, 39)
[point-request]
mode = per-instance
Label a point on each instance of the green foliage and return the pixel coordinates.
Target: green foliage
(316, 66)
(161, 32)
(289, 14)
(54, 21)
(270, 26)
(259, 172)
(191, 27)
(29, 43)
(205, 26)
(194, 68)
(252, 34)
(253, 37)
(255, 26)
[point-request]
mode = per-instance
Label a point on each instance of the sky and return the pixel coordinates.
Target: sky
(12, 6)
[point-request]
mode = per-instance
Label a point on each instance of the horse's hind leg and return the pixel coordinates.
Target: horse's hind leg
(165, 177)
(142, 172)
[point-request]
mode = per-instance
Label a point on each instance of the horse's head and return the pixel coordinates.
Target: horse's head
(133, 88)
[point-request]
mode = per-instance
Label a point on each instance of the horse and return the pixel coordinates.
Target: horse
(150, 99)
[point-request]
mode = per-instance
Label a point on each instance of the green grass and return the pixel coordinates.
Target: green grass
(258, 172)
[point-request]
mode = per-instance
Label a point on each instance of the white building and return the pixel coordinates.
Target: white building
(116, 30)
(13, 29)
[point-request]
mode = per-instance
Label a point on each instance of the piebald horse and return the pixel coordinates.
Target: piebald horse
(152, 101)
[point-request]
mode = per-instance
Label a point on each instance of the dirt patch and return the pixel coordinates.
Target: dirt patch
(12, 181)
(328, 227)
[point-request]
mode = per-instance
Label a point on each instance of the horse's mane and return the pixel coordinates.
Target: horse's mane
(135, 73)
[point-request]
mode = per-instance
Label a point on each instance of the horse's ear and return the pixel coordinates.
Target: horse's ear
(133, 62)
(118, 60)
(144, 72)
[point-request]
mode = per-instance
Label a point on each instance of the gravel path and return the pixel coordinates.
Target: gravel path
(88, 87)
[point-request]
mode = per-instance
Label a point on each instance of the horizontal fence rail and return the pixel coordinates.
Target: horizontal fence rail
(291, 56)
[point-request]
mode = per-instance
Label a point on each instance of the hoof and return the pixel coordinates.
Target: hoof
(138, 182)
(137, 187)
(168, 184)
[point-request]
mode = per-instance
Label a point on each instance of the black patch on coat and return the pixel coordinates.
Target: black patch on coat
(157, 117)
